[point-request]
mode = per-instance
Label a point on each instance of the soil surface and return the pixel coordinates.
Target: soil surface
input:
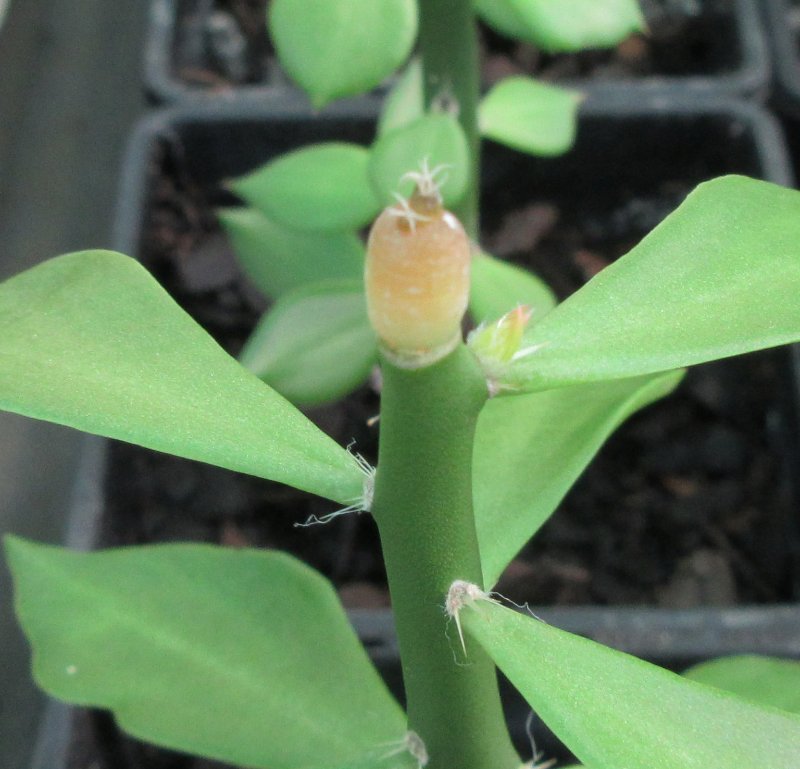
(224, 43)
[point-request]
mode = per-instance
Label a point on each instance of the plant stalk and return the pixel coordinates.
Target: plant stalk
(423, 506)
(448, 46)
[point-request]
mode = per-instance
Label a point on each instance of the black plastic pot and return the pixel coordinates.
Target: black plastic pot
(615, 155)
(782, 22)
(195, 52)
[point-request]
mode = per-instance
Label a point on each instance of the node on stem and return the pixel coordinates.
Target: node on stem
(362, 504)
(412, 744)
(461, 594)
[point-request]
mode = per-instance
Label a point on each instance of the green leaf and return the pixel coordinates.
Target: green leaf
(316, 344)
(530, 117)
(763, 680)
(277, 259)
(319, 187)
(719, 277)
(244, 656)
(498, 287)
(90, 340)
(437, 139)
(405, 102)
(613, 710)
(502, 15)
(530, 449)
(564, 25)
(336, 48)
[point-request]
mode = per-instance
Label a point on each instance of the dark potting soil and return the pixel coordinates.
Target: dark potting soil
(688, 504)
(223, 43)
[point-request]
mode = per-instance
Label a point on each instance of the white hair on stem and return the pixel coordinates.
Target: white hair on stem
(461, 594)
(403, 210)
(426, 179)
(535, 754)
(412, 744)
(428, 183)
(362, 504)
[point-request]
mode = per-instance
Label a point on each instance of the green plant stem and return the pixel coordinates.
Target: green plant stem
(450, 64)
(423, 506)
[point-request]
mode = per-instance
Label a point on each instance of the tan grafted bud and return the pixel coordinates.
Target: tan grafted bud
(417, 278)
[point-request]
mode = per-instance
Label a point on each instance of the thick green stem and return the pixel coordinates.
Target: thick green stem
(423, 506)
(449, 50)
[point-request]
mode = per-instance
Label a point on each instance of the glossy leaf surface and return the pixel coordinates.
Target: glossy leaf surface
(245, 656)
(315, 344)
(435, 139)
(529, 116)
(498, 287)
(764, 680)
(564, 25)
(405, 103)
(319, 187)
(277, 259)
(336, 48)
(530, 450)
(613, 710)
(719, 277)
(90, 340)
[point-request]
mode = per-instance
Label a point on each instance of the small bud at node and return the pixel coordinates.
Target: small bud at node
(496, 344)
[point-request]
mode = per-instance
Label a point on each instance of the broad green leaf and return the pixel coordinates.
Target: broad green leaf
(530, 117)
(436, 139)
(336, 48)
(718, 277)
(614, 711)
(90, 340)
(530, 449)
(277, 259)
(405, 102)
(763, 680)
(316, 344)
(498, 287)
(319, 187)
(244, 656)
(502, 15)
(564, 25)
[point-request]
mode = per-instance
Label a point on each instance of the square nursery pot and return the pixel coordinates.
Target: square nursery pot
(782, 23)
(688, 516)
(220, 49)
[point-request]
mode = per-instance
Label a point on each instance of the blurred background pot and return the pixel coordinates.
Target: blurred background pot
(220, 49)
